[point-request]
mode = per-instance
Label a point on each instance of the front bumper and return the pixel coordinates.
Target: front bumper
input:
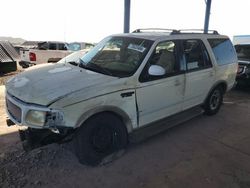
(54, 129)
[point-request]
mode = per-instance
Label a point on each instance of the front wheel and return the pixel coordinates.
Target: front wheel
(98, 137)
(214, 101)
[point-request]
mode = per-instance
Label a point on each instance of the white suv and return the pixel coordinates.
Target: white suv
(125, 83)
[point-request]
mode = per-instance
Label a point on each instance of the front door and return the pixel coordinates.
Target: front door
(161, 96)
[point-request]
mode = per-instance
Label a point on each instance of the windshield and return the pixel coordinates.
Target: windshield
(74, 46)
(117, 56)
(243, 52)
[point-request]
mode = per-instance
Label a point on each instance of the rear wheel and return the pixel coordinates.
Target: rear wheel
(214, 101)
(98, 137)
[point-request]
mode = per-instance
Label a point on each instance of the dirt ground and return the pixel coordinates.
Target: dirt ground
(5, 77)
(207, 152)
(8, 135)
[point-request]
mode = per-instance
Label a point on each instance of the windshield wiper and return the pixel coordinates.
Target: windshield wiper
(100, 68)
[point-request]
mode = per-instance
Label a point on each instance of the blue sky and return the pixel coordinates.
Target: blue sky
(91, 20)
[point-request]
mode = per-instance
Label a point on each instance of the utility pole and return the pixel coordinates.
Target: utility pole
(207, 15)
(126, 16)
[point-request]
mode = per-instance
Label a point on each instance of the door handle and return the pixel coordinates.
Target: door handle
(177, 83)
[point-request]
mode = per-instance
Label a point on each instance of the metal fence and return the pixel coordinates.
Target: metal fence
(8, 57)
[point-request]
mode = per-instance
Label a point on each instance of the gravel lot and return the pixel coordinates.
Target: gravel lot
(203, 152)
(8, 135)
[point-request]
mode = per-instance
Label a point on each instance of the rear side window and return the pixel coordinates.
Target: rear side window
(52, 46)
(196, 55)
(62, 46)
(223, 51)
(43, 46)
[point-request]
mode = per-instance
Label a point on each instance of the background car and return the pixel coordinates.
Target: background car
(243, 73)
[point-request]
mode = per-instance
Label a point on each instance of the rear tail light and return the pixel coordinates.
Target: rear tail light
(32, 56)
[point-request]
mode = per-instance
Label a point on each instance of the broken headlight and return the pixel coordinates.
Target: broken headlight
(36, 117)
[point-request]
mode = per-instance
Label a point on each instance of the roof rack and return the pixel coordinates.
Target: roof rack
(153, 30)
(194, 31)
(174, 31)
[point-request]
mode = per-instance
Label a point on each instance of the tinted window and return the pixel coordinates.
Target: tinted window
(52, 46)
(196, 55)
(223, 51)
(43, 46)
(62, 46)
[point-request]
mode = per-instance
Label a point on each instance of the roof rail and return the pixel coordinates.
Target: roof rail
(153, 30)
(174, 31)
(194, 31)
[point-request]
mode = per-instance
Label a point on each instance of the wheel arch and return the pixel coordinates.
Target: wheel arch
(107, 109)
(222, 84)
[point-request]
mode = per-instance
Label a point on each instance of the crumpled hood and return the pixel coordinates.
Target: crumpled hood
(47, 83)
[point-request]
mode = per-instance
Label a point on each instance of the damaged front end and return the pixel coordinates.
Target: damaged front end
(33, 138)
(45, 125)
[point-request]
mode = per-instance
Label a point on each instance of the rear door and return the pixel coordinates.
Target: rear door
(200, 74)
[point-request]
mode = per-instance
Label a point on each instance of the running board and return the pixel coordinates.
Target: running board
(157, 127)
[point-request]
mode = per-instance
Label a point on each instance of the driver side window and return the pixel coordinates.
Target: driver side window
(165, 57)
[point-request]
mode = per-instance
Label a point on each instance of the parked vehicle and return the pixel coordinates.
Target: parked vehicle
(73, 58)
(127, 84)
(241, 39)
(242, 46)
(49, 52)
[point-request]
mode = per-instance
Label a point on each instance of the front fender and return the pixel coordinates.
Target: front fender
(122, 105)
(128, 122)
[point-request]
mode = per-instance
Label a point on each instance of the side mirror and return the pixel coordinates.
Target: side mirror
(156, 70)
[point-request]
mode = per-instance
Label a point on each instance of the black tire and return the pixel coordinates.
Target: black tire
(98, 137)
(214, 101)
